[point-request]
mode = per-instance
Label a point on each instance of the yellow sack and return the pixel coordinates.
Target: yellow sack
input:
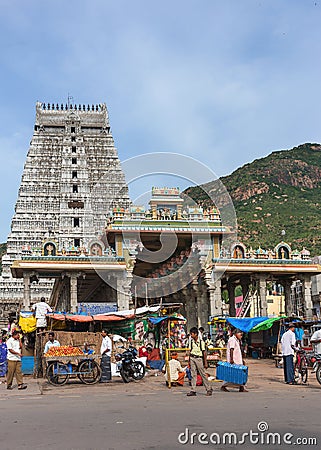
(27, 324)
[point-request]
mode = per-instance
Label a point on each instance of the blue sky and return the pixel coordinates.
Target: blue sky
(223, 81)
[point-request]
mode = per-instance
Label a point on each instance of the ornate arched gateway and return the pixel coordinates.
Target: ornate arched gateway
(170, 253)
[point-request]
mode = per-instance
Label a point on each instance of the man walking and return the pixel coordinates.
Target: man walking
(198, 362)
(234, 355)
(288, 347)
(14, 361)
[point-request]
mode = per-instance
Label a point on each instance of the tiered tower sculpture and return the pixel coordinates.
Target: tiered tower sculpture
(72, 177)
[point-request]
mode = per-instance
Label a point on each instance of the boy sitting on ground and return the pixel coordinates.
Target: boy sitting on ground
(176, 373)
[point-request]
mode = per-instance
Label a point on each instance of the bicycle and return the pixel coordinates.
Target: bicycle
(301, 367)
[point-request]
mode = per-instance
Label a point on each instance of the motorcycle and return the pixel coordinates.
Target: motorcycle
(316, 360)
(128, 367)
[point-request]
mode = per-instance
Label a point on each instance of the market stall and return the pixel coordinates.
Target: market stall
(263, 334)
(216, 343)
(171, 333)
(170, 330)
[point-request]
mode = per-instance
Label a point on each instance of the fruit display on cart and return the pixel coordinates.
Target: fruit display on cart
(64, 350)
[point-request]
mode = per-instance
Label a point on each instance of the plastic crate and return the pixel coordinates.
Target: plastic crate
(232, 373)
(27, 365)
(62, 369)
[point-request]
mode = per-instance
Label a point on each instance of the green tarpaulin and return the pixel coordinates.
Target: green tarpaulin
(266, 324)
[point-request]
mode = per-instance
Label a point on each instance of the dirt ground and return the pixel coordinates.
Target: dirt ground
(263, 376)
(146, 415)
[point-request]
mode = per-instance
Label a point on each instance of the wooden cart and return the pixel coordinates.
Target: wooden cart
(59, 369)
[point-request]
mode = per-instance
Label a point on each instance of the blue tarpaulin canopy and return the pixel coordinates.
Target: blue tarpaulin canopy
(155, 320)
(245, 324)
(267, 324)
(176, 316)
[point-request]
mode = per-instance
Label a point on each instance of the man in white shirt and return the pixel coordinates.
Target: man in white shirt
(14, 361)
(288, 347)
(41, 309)
(316, 341)
(105, 351)
(52, 342)
(234, 355)
(176, 373)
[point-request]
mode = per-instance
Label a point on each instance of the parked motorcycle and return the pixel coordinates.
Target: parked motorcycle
(128, 366)
(316, 360)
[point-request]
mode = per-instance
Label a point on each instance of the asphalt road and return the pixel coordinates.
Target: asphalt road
(147, 415)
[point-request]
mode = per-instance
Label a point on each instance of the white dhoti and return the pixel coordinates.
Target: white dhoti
(41, 323)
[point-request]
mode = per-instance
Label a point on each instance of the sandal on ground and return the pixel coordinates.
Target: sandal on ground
(191, 394)
(22, 386)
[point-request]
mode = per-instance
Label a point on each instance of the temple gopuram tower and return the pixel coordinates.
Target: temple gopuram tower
(71, 178)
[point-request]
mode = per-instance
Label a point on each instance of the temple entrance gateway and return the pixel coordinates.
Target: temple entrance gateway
(142, 259)
(199, 249)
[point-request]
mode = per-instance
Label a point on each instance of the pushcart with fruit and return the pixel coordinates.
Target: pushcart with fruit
(65, 362)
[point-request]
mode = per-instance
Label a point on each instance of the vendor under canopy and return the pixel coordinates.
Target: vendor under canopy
(154, 360)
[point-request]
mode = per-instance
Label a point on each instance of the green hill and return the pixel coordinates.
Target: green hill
(279, 192)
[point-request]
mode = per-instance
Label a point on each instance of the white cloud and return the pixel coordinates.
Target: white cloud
(224, 82)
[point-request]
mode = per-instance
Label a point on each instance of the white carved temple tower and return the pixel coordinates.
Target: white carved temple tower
(71, 179)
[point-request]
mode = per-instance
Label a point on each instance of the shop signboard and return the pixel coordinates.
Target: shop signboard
(92, 309)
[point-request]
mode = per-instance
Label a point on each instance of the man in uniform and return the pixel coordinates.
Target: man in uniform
(198, 362)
